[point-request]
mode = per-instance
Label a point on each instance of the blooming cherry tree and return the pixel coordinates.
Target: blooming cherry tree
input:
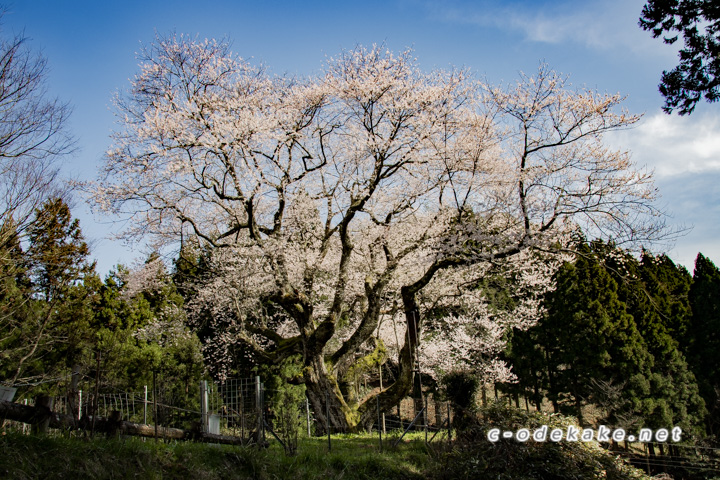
(331, 204)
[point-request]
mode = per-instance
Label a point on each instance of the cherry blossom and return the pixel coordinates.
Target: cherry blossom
(372, 195)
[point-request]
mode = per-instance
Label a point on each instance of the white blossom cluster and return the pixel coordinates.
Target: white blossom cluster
(338, 208)
(148, 277)
(474, 335)
(169, 323)
(167, 328)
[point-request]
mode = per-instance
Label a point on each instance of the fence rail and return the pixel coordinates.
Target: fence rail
(243, 412)
(41, 416)
(237, 411)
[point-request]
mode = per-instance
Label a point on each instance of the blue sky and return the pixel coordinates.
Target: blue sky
(91, 50)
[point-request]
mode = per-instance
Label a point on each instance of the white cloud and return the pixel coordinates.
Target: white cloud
(607, 24)
(674, 145)
(685, 154)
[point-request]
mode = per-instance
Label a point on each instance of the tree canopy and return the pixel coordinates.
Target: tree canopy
(612, 337)
(42, 300)
(697, 75)
(33, 137)
(375, 191)
(703, 337)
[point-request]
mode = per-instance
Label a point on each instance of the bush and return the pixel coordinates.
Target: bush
(461, 388)
(287, 399)
(474, 456)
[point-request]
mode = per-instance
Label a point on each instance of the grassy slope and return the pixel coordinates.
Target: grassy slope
(27, 457)
(352, 457)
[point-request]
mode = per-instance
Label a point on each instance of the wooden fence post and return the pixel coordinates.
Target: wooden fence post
(155, 414)
(114, 423)
(43, 410)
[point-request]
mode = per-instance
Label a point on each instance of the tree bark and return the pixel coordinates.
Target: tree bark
(326, 398)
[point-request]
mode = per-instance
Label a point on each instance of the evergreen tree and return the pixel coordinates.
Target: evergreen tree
(667, 288)
(58, 252)
(609, 339)
(15, 305)
(655, 291)
(697, 74)
(703, 338)
(52, 311)
(139, 326)
(526, 353)
(589, 336)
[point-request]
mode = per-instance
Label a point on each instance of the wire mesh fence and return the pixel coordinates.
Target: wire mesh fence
(428, 419)
(233, 407)
(244, 408)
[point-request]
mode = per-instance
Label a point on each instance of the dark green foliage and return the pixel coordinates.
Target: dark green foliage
(476, 457)
(44, 297)
(610, 338)
(526, 354)
(57, 253)
(589, 335)
(698, 73)
(58, 316)
(461, 388)
(656, 294)
(141, 331)
(15, 289)
(703, 338)
(661, 308)
(286, 397)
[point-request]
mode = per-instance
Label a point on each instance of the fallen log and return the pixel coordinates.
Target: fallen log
(112, 426)
(34, 415)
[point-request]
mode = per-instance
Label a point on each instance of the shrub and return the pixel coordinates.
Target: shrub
(461, 388)
(474, 456)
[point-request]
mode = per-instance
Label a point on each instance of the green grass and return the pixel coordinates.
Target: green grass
(352, 457)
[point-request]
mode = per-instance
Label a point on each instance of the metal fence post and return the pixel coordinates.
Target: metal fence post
(155, 411)
(383, 414)
(25, 426)
(258, 410)
(242, 409)
(262, 410)
(307, 414)
(204, 405)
